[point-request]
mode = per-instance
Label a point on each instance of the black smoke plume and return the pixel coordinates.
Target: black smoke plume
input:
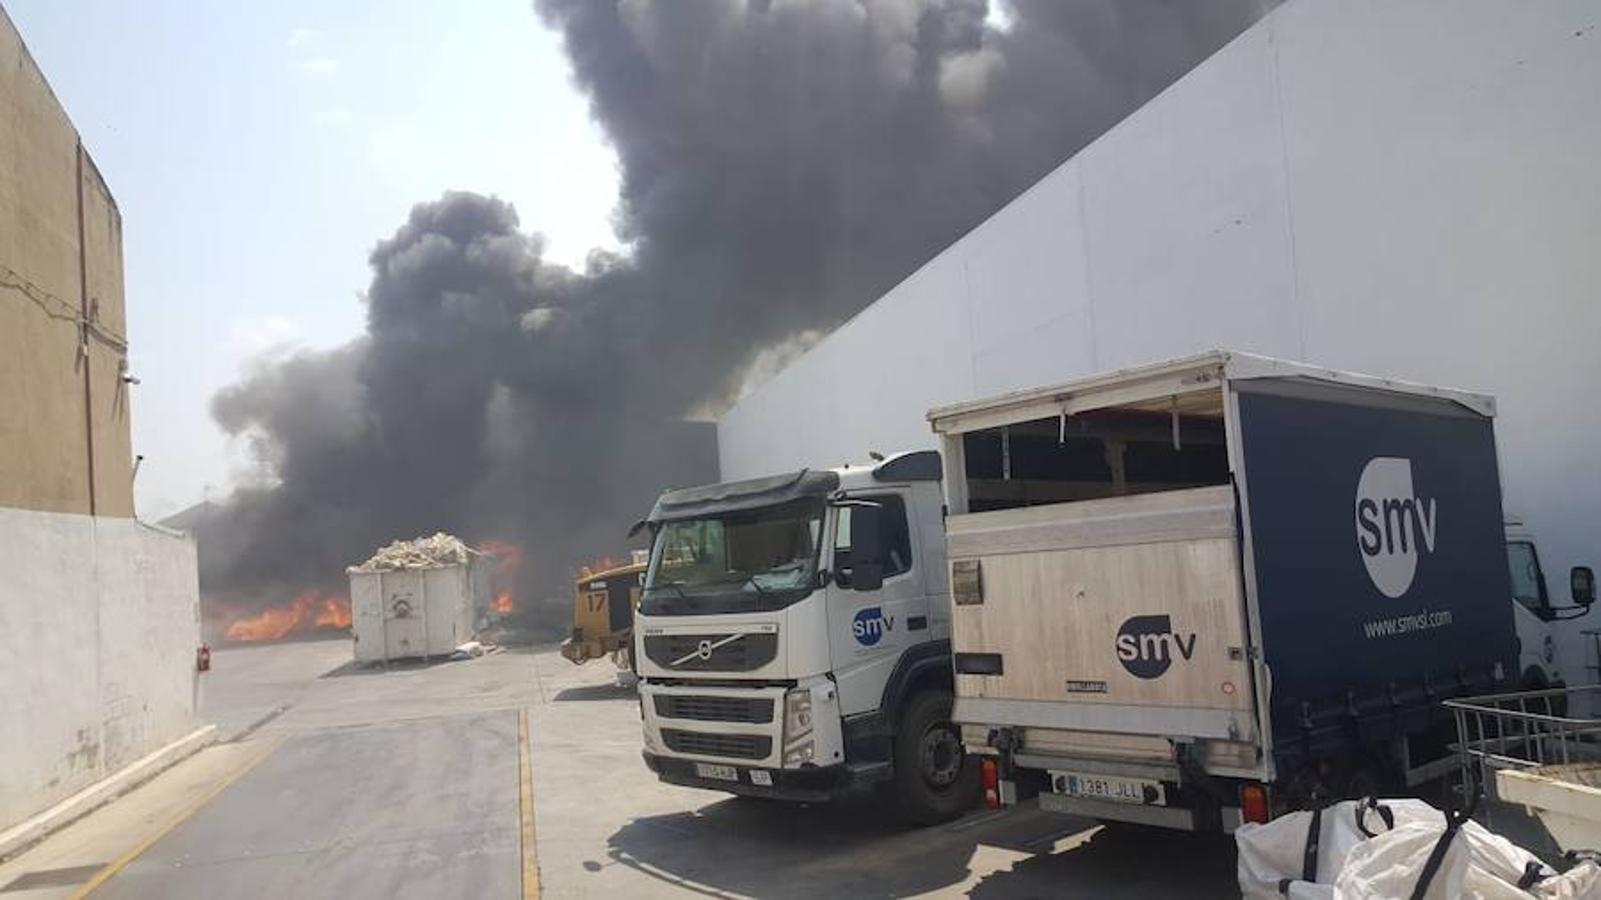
(783, 163)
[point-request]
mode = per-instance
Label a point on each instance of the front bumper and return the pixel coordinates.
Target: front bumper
(807, 785)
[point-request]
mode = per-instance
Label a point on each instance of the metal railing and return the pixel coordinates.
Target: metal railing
(1523, 730)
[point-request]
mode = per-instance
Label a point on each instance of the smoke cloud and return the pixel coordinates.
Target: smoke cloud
(783, 163)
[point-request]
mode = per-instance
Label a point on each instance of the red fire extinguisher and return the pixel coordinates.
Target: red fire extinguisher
(203, 658)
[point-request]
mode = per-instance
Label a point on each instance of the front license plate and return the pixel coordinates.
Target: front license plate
(720, 773)
(1111, 787)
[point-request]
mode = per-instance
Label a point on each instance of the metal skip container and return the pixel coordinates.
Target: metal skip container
(417, 599)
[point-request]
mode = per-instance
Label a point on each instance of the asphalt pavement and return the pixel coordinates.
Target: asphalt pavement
(333, 781)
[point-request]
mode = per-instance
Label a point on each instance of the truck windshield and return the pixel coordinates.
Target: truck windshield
(741, 561)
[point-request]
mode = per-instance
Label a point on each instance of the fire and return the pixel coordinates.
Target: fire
(311, 608)
(508, 561)
(335, 613)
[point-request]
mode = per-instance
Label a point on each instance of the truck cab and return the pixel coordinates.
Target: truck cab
(1535, 611)
(793, 638)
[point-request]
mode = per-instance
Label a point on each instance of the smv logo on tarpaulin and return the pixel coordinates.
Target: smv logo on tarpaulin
(1394, 526)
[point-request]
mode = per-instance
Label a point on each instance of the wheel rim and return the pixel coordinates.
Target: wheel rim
(940, 756)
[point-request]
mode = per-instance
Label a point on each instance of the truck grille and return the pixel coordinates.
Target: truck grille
(756, 710)
(701, 653)
(734, 746)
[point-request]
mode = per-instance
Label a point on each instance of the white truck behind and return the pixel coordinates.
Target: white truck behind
(792, 640)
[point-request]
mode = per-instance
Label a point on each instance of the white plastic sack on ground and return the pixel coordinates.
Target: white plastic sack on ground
(1351, 865)
(1272, 853)
(1477, 864)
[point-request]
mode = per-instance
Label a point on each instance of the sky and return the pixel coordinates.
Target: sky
(258, 151)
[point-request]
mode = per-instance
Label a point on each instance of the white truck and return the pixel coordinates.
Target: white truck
(1536, 612)
(1204, 591)
(793, 638)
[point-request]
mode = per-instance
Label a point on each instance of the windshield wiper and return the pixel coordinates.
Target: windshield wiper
(677, 587)
(742, 580)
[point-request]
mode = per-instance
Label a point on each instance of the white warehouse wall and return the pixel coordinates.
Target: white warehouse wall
(1406, 189)
(99, 621)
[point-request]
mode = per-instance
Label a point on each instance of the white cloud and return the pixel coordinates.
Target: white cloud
(254, 336)
(998, 15)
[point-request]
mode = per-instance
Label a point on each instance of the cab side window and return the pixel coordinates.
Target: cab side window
(894, 536)
(1525, 570)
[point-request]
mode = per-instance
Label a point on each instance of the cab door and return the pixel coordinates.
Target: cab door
(869, 629)
(1537, 663)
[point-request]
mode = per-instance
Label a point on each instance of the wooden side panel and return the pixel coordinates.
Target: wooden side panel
(1153, 620)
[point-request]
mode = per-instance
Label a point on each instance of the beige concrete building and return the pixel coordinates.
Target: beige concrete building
(99, 612)
(64, 418)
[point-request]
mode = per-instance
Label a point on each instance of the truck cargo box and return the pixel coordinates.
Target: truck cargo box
(1227, 562)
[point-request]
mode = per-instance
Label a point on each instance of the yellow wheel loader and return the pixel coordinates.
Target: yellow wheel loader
(603, 616)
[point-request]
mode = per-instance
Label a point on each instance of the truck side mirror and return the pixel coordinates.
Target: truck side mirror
(1581, 581)
(867, 576)
(867, 547)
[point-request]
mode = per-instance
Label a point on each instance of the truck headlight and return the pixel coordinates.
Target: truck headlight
(797, 715)
(798, 755)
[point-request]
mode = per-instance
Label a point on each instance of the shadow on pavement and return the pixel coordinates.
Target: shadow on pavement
(1123, 861)
(770, 849)
(596, 692)
(394, 665)
(855, 848)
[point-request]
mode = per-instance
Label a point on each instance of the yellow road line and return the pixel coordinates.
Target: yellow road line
(117, 865)
(525, 783)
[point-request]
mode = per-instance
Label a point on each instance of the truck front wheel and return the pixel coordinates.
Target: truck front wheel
(934, 779)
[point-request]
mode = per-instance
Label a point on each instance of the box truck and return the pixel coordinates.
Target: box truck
(1197, 592)
(792, 640)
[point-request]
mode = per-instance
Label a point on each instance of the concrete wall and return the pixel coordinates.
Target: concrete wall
(64, 419)
(1409, 189)
(99, 621)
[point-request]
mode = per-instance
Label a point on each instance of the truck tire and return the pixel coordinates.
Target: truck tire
(1535, 680)
(934, 780)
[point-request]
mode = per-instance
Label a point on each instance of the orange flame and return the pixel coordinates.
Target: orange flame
(508, 560)
(310, 609)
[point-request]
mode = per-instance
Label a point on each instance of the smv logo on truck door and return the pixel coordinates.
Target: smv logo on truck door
(1394, 526)
(1146, 645)
(871, 625)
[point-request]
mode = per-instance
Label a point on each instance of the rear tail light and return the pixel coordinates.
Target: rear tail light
(992, 784)
(1254, 803)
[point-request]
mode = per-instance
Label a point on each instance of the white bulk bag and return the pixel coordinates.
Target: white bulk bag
(1476, 864)
(1274, 853)
(1368, 848)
